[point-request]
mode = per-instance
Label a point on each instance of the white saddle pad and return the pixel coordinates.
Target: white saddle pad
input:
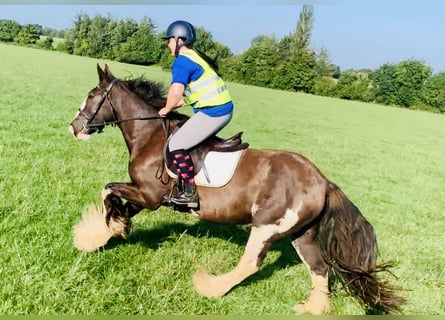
(220, 168)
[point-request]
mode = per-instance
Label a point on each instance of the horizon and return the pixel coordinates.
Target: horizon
(357, 36)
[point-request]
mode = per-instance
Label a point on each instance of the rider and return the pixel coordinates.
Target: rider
(195, 82)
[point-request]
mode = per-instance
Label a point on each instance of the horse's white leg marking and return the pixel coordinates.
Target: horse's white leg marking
(217, 286)
(318, 302)
(254, 209)
(104, 194)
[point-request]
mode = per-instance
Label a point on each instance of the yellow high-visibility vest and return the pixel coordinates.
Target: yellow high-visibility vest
(209, 89)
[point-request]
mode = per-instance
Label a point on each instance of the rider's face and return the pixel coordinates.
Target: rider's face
(172, 44)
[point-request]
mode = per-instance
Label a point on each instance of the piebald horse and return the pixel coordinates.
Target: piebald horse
(279, 193)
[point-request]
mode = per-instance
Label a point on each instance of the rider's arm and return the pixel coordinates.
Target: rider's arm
(175, 98)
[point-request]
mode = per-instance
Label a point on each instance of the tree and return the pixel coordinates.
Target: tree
(46, 43)
(301, 38)
(123, 31)
(297, 62)
(353, 85)
(99, 36)
(258, 64)
(297, 73)
(77, 37)
(206, 44)
(142, 47)
(9, 30)
(337, 72)
(285, 47)
(324, 86)
(323, 65)
(410, 78)
(400, 84)
(433, 92)
(28, 35)
(229, 68)
(384, 84)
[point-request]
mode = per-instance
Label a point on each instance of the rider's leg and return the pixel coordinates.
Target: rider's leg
(195, 130)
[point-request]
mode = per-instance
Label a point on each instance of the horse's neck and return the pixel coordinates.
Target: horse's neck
(131, 106)
(136, 132)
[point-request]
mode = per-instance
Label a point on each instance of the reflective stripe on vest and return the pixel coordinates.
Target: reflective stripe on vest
(209, 89)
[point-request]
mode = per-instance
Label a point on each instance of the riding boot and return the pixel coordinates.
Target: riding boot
(185, 170)
(187, 198)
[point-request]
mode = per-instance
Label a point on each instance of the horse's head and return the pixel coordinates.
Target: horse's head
(96, 109)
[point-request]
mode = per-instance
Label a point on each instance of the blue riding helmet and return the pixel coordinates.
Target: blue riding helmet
(181, 29)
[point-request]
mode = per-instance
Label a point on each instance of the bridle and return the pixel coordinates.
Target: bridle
(99, 125)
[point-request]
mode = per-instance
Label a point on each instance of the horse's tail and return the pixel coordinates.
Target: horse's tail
(349, 245)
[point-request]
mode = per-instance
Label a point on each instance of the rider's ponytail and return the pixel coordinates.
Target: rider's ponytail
(211, 62)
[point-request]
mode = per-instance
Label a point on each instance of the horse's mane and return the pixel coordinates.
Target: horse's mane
(147, 90)
(152, 93)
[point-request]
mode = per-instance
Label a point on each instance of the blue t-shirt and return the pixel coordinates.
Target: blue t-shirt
(185, 71)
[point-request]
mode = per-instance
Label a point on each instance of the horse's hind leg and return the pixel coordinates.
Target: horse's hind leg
(262, 235)
(309, 253)
(256, 248)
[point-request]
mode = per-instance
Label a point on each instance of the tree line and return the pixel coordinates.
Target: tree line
(286, 64)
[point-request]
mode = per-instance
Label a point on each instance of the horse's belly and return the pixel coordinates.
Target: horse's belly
(224, 215)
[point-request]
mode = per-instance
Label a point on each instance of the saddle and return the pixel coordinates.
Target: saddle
(213, 143)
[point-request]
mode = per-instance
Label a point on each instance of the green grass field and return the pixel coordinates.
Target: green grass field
(389, 161)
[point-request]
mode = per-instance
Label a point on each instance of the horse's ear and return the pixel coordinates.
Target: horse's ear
(108, 72)
(101, 73)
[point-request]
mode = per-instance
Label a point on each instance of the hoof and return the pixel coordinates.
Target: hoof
(92, 233)
(312, 308)
(120, 227)
(208, 285)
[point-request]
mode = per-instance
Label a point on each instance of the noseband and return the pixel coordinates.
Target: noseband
(104, 97)
(90, 119)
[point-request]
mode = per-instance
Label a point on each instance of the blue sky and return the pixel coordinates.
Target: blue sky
(357, 34)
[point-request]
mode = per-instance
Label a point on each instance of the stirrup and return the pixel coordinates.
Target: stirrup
(191, 201)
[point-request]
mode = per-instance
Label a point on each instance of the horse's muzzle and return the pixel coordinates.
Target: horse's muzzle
(80, 135)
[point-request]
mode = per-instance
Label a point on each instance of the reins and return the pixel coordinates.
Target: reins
(114, 122)
(165, 124)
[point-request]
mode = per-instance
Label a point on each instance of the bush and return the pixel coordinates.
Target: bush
(433, 92)
(324, 86)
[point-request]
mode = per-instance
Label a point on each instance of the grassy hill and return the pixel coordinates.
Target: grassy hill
(389, 161)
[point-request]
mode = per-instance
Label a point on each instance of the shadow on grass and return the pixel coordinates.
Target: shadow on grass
(153, 238)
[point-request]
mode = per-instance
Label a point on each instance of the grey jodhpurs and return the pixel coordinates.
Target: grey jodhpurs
(196, 129)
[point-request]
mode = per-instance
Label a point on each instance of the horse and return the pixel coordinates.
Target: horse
(279, 194)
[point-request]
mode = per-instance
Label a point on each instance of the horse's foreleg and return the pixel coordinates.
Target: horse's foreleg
(217, 286)
(116, 214)
(111, 219)
(136, 197)
(309, 252)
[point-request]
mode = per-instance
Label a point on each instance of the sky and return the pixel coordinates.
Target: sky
(357, 34)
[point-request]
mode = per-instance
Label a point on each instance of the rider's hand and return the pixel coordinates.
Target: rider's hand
(164, 111)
